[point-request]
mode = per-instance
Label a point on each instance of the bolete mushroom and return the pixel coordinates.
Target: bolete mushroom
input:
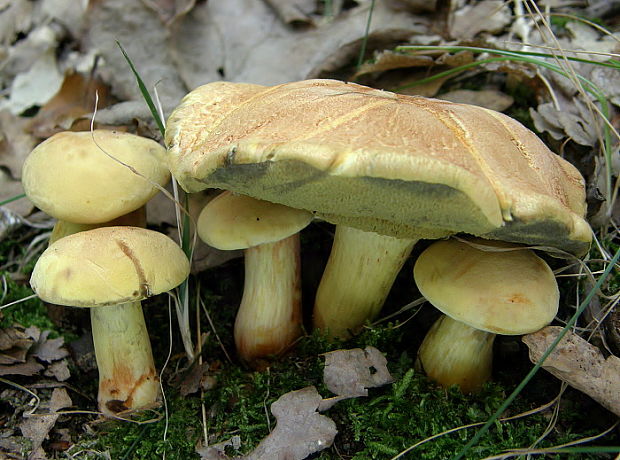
(71, 177)
(110, 270)
(269, 318)
(404, 167)
(483, 290)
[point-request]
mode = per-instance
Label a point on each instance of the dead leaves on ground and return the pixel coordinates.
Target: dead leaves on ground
(301, 430)
(580, 364)
(27, 353)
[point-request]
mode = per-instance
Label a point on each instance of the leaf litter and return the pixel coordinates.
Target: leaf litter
(301, 430)
(183, 43)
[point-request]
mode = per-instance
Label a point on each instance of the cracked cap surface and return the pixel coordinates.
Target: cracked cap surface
(108, 266)
(397, 165)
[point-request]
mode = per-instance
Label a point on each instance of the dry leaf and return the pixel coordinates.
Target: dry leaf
(14, 345)
(349, 373)
(37, 427)
(28, 368)
(300, 431)
(49, 350)
(59, 370)
(75, 98)
(294, 12)
(482, 16)
(580, 364)
(489, 98)
(209, 46)
(115, 20)
(170, 10)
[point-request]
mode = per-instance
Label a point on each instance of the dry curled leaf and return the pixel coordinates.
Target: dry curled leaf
(300, 431)
(36, 427)
(349, 373)
(580, 364)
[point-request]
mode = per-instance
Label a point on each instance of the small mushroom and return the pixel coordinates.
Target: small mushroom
(482, 291)
(269, 317)
(110, 270)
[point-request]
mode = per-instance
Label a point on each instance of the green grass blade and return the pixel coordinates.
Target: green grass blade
(538, 365)
(145, 92)
(360, 59)
(15, 198)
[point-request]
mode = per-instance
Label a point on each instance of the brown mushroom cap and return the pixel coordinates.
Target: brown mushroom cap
(69, 177)
(107, 266)
(503, 292)
(397, 165)
(232, 221)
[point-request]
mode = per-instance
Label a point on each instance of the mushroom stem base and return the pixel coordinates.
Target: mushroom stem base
(454, 353)
(361, 269)
(269, 317)
(127, 377)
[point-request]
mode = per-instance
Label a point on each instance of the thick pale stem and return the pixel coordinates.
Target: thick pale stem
(64, 228)
(269, 317)
(127, 377)
(359, 274)
(454, 353)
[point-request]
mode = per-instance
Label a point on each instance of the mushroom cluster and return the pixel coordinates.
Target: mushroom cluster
(102, 179)
(387, 169)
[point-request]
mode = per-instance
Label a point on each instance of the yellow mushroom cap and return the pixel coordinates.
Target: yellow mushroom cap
(404, 166)
(504, 292)
(232, 221)
(108, 266)
(70, 177)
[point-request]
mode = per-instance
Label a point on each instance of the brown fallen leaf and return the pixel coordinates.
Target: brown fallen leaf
(49, 350)
(489, 98)
(36, 427)
(300, 431)
(75, 98)
(482, 16)
(349, 373)
(580, 364)
(14, 345)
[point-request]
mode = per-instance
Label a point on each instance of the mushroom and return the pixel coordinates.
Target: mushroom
(401, 166)
(90, 189)
(482, 291)
(110, 270)
(269, 318)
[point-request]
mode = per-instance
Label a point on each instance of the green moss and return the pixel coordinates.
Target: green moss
(29, 313)
(131, 441)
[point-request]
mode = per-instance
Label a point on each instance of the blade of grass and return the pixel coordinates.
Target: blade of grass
(360, 59)
(15, 198)
(145, 92)
(183, 303)
(586, 301)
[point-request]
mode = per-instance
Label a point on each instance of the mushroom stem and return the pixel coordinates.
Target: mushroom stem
(269, 317)
(127, 377)
(360, 271)
(64, 228)
(454, 353)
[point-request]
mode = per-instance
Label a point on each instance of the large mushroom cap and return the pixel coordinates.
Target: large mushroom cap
(504, 292)
(397, 165)
(70, 177)
(232, 221)
(107, 266)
